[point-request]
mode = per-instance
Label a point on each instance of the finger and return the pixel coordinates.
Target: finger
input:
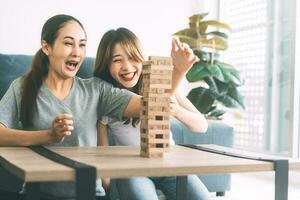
(174, 47)
(185, 45)
(67, 133)
(67, 128)
(63, 116)
(178, 44)
(67, 122)
(195, 59)
(63, 133)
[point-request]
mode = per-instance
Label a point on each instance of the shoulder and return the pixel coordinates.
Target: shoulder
(16, 85)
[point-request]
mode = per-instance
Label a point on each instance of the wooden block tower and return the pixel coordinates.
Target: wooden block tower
(156, 92)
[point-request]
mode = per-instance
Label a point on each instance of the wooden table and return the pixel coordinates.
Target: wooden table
(122, 162)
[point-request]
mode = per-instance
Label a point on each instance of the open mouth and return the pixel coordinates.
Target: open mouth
(71, 65)
(128, 76)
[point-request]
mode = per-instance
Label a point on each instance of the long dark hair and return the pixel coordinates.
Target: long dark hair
(132, 46)
(32, 81)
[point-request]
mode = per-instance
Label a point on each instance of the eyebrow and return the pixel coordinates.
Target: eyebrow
(116, 55)
(69, 37)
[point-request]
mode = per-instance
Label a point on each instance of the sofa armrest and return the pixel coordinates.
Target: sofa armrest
(217, 133)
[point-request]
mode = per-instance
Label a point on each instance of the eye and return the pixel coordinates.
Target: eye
(117, 60)
(82, 45)
(68, 43)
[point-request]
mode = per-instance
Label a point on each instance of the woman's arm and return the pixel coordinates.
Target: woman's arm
(185, 111)
(61, 127)
(134, 106)
(13, 137)
(183, 58)
(102, 140)
(102, 135)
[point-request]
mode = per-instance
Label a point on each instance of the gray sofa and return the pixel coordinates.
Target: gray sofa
(13, 66)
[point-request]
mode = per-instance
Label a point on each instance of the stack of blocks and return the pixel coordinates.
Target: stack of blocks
(155, 113)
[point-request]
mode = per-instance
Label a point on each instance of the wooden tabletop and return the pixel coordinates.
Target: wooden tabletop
(124, 161)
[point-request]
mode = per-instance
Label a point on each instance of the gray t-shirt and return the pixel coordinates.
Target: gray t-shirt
(88, 101)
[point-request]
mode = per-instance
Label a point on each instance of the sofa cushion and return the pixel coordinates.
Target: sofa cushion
(11, 67)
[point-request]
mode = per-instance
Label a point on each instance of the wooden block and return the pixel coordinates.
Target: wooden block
(152, 155)
(156, 135)
(156, 132)
(149, 94)
(157, 108)
(146, 140)
(155, 114)
(146, 148)
(160, 69)
(157, 81)
(159, 60)
(155, 122)
(146, 125)
(154, 103)
(156, 117)
(155, 90)
(168, 68)
(156, 147)
(160, 77)
(158, 99)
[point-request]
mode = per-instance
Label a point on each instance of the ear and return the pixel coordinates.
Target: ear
(45, 47)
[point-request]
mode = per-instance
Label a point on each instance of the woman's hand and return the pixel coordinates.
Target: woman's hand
(62, 126)
(182, 56)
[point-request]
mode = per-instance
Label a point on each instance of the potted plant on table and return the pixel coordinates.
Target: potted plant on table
(221, 79)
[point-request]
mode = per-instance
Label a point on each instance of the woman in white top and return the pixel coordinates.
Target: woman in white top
(119, 61)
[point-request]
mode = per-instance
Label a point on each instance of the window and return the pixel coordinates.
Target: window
(261, 46)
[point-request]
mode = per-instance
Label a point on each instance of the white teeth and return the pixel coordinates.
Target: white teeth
(71, 64)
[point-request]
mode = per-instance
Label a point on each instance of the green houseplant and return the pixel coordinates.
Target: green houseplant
(222, 80)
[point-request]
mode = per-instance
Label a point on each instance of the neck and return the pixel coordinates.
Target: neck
(58, 86)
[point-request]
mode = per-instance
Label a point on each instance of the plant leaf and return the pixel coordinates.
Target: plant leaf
(201, 99)
(216, 72)
(204, 24)
(233, 99)
(230, 73)
(188, 32)
(192, 42)
(219, 43)
(198, 72)
(206, 56)
(195, 19)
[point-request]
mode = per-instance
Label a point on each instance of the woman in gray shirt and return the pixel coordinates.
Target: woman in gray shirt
(51, 106)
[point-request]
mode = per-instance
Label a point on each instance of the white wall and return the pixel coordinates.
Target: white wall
(153, 21)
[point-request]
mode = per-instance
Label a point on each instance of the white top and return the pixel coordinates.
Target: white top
(125, 134)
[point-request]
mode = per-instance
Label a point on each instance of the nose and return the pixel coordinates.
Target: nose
(76, 51)
(127, 65)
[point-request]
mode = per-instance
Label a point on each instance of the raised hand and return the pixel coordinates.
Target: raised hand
(62, 126)
(182, 56)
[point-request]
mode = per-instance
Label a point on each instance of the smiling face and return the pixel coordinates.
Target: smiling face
(124, 69)
(68, 51)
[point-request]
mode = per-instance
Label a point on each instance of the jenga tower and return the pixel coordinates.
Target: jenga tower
(155, 113)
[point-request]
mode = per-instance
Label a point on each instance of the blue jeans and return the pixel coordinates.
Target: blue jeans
(144, 188)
